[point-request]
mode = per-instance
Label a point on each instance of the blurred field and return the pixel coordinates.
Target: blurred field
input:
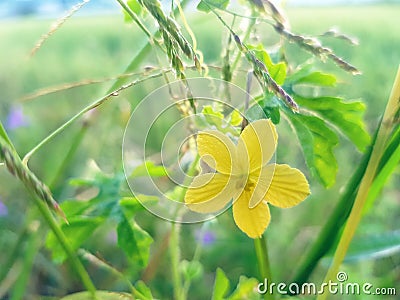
(96, 47)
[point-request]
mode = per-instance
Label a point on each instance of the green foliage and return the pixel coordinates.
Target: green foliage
(317, 141)
(246, 288)
(148, 169)
(191, 269)
(134, 241)
(321, 119)
(277, 71)
(108, 206)
(135, 7)
(346, 116)
(221, 285)
(77, 231)
(374, 246)
(144, 290)
(207, 5)
(100, 295)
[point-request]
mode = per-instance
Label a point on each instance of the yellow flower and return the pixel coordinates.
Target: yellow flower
(244, 175)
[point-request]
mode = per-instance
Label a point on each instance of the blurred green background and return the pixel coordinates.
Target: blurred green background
(102, 46)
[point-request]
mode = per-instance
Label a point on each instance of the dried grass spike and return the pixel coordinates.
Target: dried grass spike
(56, 25)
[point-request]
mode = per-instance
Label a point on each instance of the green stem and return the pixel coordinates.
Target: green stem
(246, 36)
(4, 134)
(180, 292)
(31, 248)
(95, 104)
(103, 265)
(75, 142)
(174, 252)
(327, 238)
(134, 18)
(76, 263)
(370, 173)
(260, 245)
(13, 254)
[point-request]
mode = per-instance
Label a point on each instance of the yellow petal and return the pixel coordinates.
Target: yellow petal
(260, 181)
(209, 192)
(217, 150)
(257, 142)
(288, 187)
(252, 221)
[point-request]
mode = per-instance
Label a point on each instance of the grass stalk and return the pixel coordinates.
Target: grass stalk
(356, 213)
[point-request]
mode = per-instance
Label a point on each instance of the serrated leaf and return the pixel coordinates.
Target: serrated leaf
(131, 205)
(134, 241)
(144, 290)
(317, 78)
(207, 5)
(100, 295)
(347, 116)
(276, 71)
(148, 169)
(76, 232)
(317, 141)
(246, 290)
(221, 285)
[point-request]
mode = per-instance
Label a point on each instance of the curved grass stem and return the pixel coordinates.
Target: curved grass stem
(378, 150)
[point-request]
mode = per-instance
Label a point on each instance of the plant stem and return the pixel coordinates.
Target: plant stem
(260, 245)
(134, 18)
(76, 263)
(95, 104)
(174, 253)
(103, 265)
(373, 164)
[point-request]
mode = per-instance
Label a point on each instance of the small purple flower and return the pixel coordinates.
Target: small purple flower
(3, 209)
(205, 237)
(16, 118)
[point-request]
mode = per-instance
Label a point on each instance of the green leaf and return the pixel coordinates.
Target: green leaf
(374, 246)
(347, 116)
(221, 285)
(149, 169)
(142, 288)
(134, 241)
(235, 118)
(135, 7)
(246, 290)
(317, 78)
(211, 116)
(317, 141)
(277, 71)
(207, 5)
(76, 232)
(191, 269)
(132, 205)
(4, 135)
(100, 295)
